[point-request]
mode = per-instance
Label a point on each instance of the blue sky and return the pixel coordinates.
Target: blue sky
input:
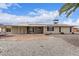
(35, 13)
(28, 7)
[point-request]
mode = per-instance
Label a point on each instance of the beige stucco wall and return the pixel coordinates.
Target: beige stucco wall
(14, 30)
(19, 30)
(65, 29)
(56, 30)
(23, 30)
(44, 29)
(10, 28)
(2, 30)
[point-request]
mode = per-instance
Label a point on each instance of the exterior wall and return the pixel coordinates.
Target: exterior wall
(65, 29)
(14, 30)
(44, 29)
(2, 29)
(56, 30)
(19, 30)
(23, 30)
(75, 30)
(7, 27)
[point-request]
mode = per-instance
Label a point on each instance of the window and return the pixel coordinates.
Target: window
(50, 28)
(59, 29)
(70, 29)
(8, 29)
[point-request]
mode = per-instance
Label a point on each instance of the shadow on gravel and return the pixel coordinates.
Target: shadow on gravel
(4, 36)
(71, 39)
(74, 41)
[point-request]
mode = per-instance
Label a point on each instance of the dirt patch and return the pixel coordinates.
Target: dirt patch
(25, 37)
(40, 45)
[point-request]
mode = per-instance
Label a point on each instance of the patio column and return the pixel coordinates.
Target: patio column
(44, 29)
(25, 30)
(3, 29)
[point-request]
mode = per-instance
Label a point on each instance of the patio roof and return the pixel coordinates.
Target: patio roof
(21, 24)
(37, 24)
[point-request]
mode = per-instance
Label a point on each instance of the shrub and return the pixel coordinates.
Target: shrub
(48, 33)
(61, 32)
(72, 32)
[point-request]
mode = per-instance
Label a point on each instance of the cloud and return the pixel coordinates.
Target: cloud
(68, 21)
(71, 22)
(41, 15)
(77, 22)
(36, 16)
(4, 6)
(17, 5)
(7, 5)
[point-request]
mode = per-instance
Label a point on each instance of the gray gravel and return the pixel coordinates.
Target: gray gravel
(56, 45)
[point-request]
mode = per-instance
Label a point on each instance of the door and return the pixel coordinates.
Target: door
(30, 30)
(34, 30)
(38, 30)
(59, 29)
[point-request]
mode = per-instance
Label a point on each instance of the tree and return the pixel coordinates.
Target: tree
(68, 8)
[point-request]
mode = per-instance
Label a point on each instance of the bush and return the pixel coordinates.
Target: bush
(72, 32)
(61, 32)
(48, 33)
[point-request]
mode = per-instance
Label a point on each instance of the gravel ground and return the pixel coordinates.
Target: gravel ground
(55, 45)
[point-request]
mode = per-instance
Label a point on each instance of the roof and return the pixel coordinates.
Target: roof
(62, 25)
(76, 27)
(1, 25)
(37, 24)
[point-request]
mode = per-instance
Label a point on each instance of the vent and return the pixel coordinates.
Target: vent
(56, 21)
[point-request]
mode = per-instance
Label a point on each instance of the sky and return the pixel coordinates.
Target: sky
(12, 13)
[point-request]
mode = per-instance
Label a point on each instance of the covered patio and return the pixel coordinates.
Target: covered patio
(2, 30)
(34, 30)
(27, 29)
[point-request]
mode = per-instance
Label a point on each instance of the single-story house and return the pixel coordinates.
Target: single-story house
(75, 29)
(36, 28)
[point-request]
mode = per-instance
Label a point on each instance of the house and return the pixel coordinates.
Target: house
(75, 29)
(2, 29)
(36, 28)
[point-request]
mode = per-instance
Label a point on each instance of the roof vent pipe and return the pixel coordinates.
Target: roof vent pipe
(55, 21)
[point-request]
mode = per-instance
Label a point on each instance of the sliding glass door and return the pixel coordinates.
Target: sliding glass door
(34, 30)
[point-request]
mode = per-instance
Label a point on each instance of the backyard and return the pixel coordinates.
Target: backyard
(39, 45)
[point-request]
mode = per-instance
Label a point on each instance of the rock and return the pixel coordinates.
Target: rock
(1, 49)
